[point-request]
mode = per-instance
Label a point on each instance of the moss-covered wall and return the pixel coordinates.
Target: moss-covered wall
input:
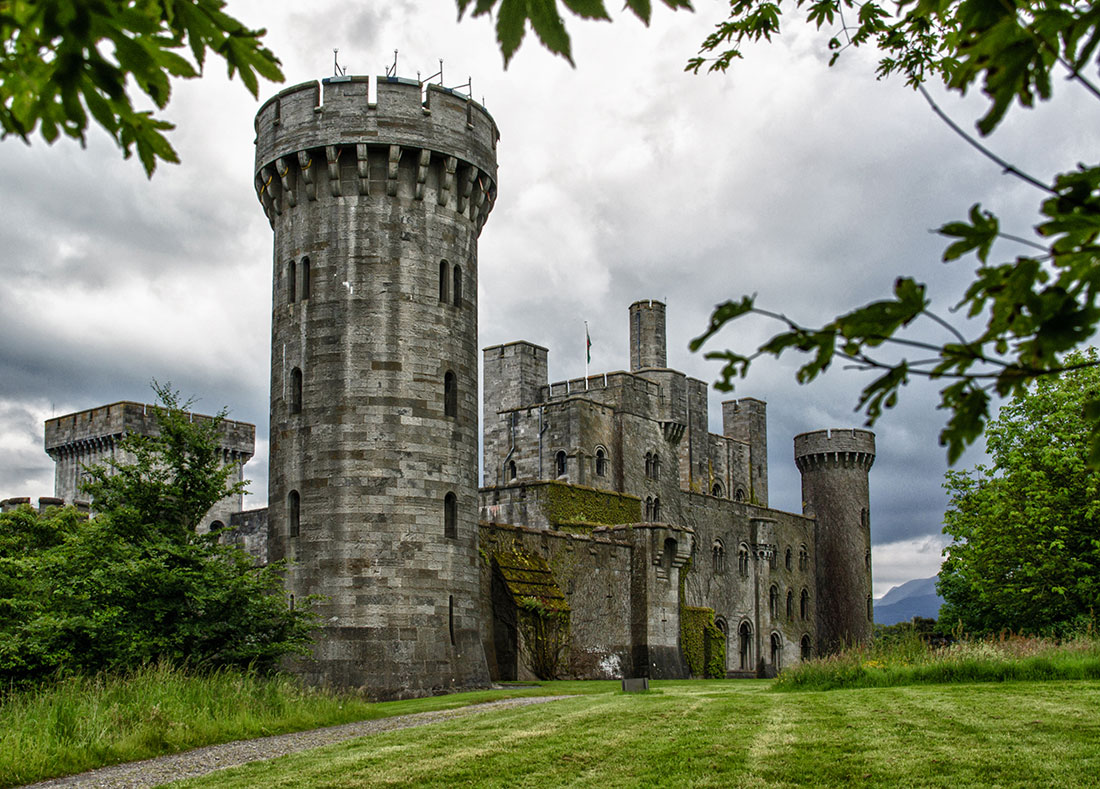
(593, 573)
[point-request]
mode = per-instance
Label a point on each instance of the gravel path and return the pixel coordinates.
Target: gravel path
(200, 761)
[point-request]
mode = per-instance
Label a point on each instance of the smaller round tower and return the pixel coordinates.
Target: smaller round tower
(647, 335)
(834, 466)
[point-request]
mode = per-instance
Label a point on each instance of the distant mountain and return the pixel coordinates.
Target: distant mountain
(910, 599)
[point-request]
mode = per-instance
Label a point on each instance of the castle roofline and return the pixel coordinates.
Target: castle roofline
(512, 343)
(145, 408)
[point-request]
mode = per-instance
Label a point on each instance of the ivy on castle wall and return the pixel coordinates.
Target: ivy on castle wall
(702, 643)
(585, 508)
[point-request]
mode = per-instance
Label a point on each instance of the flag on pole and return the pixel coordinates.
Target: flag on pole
(588, 343)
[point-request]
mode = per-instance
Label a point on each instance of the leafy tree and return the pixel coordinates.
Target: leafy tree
(137, 583)
(1026, 529)
(1036, 306)
(63, 60)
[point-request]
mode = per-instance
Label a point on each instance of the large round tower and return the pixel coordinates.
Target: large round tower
(834, 466)
(377, 192)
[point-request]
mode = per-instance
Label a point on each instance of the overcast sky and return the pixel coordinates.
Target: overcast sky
(621, 179)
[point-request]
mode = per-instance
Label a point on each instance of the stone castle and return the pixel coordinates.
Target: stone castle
(613, 536)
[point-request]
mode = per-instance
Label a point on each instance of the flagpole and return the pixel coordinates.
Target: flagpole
(586, 352)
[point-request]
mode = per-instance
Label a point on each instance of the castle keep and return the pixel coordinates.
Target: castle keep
(614, 535)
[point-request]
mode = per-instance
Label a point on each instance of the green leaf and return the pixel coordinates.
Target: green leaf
(511, 22)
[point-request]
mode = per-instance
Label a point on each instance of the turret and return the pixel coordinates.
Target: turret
(747, 420)
(834, 466)
(647, 335)
(376, 198)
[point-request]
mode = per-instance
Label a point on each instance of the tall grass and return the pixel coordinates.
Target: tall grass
(80, 723)
(910, 661)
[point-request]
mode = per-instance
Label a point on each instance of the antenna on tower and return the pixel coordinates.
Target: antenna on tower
(391, 71)
(336, 70)
(433, 76)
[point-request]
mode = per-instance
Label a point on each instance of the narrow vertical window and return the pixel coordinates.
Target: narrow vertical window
(718, 552)
(743, 559)
(807, 648)
(296, 391)
(601, 462)
(457, 290)
(649, 508)
(649, 465)
(511, 469)
(451, 617)
(777, 651)
(559, 464)
(716, 490)
(739, 495)
(744, 637)
(291, 282)
(450, 516)
(773, 601)
(443, 280)
(450, 394)
(656, 508)
(790, 605)
(787, 559)
(305, 278)
(293, 513)
(656, 466)
(804, 605)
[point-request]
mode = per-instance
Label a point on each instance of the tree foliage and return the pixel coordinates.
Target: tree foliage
(1026, 529)
(1031, 308)
(136, 583)
(63, 62)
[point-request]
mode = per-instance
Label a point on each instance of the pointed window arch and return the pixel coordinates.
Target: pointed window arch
(790, 605)
(773, 601)
(787, 558)
(744, 638)
(743, 559)
(656, 508)
(803, 558)
(649, 508)
(804, 605)
(511, 469)
(718, 554)
(291, 282)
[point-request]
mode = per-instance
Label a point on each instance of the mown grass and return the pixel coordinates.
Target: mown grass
(81, 723)
(910, 661)
(729, 734)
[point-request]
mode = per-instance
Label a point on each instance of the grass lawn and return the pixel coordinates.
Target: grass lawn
(731, 733)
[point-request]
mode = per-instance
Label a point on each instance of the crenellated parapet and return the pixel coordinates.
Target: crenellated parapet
(837, 448)
(364, 138)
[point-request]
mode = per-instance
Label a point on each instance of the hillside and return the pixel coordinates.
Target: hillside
(912, 598)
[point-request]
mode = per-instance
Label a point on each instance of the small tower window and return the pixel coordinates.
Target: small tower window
(743, 559)
(293, 513)
(803, 558)
(291, 282)
(807, 648)
(790, 605)
(305, 279)
(559, 464)
(656, 466)
(443, 280)
(739, 495)
(451, 617)
(296, 391)
(656, 508)
(601, 462)
(716, 490)
(450, 516)
(773, 601)
(804, 605)
(649, 508)
(773, 559)
(450, 394)
(787, 558)
(511, 469)
(649, 465)
(458, 286)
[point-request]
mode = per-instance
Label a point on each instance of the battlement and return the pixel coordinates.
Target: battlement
(129, 417)
(345, 110)
(593, 383)
(847, 446)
